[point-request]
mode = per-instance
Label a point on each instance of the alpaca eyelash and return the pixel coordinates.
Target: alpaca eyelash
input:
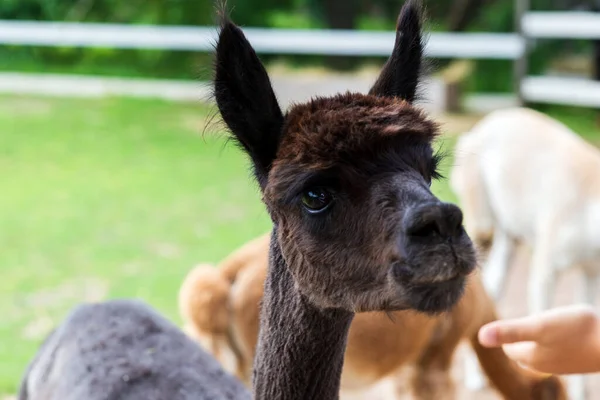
(434, 169)
(326, 180)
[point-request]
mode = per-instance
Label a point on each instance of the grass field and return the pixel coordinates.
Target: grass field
(111, 198)
(108, 198)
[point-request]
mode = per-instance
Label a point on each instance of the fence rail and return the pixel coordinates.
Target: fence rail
(561, 90)
(556, 89)
(562, 25)
(508, 46)
(277, 41)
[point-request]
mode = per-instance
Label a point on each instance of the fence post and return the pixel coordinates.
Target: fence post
(521, 63)
(596, 47)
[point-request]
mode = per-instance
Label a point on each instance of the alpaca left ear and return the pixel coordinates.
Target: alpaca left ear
(246, 99)
(400, 75)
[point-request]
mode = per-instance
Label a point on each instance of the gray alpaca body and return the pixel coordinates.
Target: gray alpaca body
(124, 350)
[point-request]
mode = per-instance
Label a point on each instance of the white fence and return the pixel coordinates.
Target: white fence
(278, 41)
(562, 25)
(509, 46)
(560, 90)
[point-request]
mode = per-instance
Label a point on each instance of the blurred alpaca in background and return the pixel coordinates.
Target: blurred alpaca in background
(521, 176)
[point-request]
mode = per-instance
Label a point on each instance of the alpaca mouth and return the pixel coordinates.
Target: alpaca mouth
(438, 282)
(439, 296)
(427, 274)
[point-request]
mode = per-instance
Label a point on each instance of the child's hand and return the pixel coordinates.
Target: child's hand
(564, 340)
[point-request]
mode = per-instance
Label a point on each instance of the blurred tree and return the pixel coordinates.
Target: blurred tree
(595, 6)
(176, 12)
(462, 13)
(21, 9)
(340, 14)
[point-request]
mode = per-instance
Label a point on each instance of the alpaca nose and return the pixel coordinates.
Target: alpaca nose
(435, 219)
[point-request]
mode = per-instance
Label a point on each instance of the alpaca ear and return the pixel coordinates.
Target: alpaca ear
(246, 99)
(400, 74)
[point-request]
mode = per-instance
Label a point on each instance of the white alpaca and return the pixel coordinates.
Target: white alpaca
(521, 176)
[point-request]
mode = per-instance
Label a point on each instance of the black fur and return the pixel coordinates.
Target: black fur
(246, 99)
(300, 352)
(400, 75)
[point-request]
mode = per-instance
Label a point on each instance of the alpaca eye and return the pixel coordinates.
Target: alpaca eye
(316, 200)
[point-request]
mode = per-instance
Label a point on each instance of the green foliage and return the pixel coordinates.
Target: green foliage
(169, 64)
(375, 23)
(296, 20)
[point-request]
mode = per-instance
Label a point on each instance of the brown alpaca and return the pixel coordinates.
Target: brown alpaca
(220, 307)
(346, 181)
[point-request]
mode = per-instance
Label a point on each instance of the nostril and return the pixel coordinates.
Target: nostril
(425, 229)
(454, 219)
(424, 221)
(442, 220)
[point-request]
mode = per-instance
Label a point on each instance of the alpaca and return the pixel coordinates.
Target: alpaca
(523, 177)
(220, 309)
(123, 349)
(356, 228)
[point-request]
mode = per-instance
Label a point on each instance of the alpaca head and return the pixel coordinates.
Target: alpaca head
(346, 180)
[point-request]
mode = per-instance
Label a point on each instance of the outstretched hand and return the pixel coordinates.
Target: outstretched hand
(563, 340)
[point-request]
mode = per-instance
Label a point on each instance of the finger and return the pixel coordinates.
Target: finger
(522, 352)
(529, 368)
(528, 356)
(497, 333)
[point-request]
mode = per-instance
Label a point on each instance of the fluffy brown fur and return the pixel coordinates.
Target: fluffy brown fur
(379, 344)
(346, 126)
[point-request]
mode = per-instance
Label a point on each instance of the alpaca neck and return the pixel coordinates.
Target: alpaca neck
(300, 350)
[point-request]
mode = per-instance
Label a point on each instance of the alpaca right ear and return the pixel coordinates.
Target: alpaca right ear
(400, 75)
(246, 99)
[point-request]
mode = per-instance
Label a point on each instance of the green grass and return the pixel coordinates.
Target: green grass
(109, 198)
(115, 198)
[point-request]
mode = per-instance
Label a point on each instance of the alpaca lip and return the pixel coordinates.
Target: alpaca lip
(438, 281)
(404, 273)
(437, 297)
